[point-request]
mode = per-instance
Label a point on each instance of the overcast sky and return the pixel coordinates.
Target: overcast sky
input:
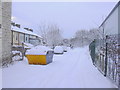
(70, 16)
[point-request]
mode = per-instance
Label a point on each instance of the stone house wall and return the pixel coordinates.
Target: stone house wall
(6, 32)
(0, 33)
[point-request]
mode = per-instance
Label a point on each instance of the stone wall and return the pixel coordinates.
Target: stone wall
(6, 32)
(0, 33)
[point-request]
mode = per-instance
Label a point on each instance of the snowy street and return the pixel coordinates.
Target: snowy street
(73, 69)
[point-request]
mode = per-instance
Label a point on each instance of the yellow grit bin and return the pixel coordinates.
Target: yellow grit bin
(37, 59)
(39, 55)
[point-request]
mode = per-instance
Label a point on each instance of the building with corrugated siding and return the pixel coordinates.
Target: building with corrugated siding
(107, 47)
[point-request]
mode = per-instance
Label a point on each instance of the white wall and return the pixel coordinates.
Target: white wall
(21, 38)
(111, 24)
(31, 36)
(15, 38)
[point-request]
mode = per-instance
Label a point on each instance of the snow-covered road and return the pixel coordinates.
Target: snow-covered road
(73, 69)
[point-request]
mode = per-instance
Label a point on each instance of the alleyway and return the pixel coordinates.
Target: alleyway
(73, 69)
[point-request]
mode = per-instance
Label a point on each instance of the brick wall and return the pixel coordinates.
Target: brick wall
(6, 32)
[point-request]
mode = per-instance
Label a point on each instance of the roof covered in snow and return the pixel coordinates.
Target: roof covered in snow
(22, 30)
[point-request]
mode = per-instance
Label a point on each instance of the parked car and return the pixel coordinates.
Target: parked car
(64, 48)
(58, 50)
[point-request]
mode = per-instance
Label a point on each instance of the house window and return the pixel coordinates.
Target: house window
(26, 38)
(40, 41)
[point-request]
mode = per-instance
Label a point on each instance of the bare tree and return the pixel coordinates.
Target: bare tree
(51, 34)
(94, 34)
(85, 37)
(66, 42)
(54, 36)
(43, 29)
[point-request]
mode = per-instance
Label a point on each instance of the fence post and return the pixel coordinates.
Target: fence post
(106, 56)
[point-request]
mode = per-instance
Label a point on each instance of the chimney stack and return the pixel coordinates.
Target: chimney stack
(28, 29)
(31, 30)
(18, 25)
(13, 24)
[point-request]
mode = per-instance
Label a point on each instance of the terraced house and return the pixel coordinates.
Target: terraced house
(24, 35)
(13, 35)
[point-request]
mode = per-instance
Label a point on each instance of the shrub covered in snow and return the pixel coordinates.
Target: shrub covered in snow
(16, 55)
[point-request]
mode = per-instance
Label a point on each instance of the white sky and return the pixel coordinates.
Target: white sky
(69, 16)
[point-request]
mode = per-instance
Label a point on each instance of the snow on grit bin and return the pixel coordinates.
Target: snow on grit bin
(40, 59)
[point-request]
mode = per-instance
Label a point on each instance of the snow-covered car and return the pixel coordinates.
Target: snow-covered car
(64, 48)
(58, 50)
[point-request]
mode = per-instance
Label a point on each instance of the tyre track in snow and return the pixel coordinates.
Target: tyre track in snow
(71, 80)
(61, 72)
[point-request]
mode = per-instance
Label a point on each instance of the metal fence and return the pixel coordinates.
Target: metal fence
(106, 57)
(112, 57)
